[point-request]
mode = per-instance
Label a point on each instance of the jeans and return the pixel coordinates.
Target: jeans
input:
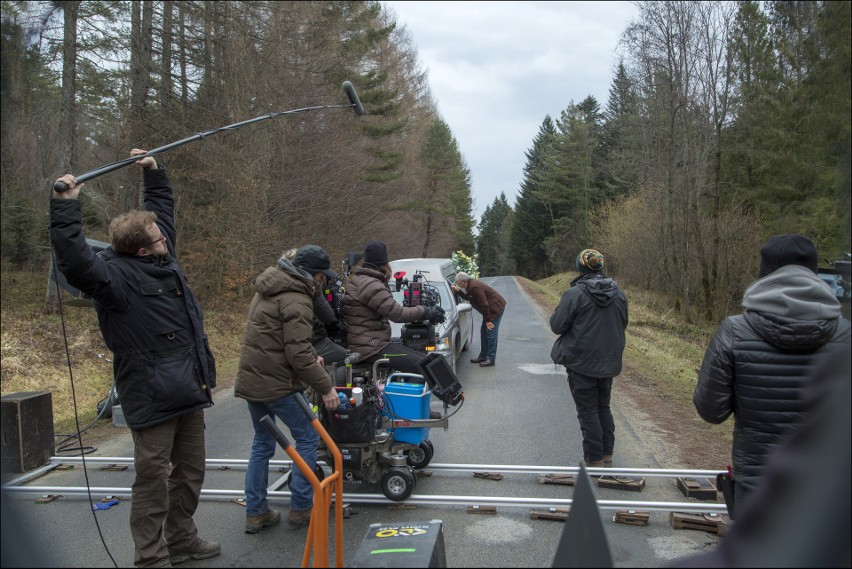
(488, 340)
(169, 460)
(263, 449)
(591, 397)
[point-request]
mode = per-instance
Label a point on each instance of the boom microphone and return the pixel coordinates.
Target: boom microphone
(357, 107)
(354, 104)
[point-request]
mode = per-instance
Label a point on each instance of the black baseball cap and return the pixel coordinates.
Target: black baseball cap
(314, 259)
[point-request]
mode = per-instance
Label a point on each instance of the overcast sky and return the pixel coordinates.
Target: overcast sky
(497, 69)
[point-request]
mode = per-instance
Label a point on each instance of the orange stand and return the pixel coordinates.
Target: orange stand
(324, 490)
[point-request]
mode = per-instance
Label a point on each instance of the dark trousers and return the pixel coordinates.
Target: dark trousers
(488, 340)
(591, 397)
(331, 352)
(169, 460)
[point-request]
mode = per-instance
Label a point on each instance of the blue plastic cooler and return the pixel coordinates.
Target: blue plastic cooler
(409, 401)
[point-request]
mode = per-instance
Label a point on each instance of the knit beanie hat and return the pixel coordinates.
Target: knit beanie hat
(376, 253)
(589, 260)
(790, 249)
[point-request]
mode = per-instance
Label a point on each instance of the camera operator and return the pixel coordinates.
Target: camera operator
(369, 307)
(314, 260)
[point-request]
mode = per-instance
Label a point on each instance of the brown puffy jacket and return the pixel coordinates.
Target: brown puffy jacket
(277, 357)
(367, 306)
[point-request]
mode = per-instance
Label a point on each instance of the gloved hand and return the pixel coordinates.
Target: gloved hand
(434, 314)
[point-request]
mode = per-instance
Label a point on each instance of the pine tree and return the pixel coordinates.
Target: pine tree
(490, 243)
(532, 220)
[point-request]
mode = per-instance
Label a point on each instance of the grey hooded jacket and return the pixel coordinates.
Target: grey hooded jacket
(756, 365)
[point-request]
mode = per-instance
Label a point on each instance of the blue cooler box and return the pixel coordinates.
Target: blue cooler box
(409, 401)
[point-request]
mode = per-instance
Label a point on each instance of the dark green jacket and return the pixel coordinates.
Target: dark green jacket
(277, 357)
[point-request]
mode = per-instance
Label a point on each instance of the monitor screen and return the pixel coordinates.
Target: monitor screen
(442, 381)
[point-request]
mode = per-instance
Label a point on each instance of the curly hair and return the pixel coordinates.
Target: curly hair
(129, 231)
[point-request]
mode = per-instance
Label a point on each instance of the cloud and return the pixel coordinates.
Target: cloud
(497, 69)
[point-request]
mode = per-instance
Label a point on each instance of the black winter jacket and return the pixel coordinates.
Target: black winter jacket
(756, 365)
(148, 315)
(590, 319)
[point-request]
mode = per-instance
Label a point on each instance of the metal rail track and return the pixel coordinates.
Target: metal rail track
(16, 486)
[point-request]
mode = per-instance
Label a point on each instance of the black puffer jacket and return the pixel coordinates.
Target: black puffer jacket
(148, 315)
(590, 320)
(756, 365)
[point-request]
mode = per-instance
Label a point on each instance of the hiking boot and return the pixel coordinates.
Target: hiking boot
(254, 524)
(201, 549)
(477, 360)
(593, 464)
(607, 461)
(296, 520)
(486, 363)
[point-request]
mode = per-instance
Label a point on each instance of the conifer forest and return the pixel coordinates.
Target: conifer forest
(725, 123)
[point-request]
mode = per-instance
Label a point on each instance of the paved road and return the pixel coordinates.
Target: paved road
(519, 412)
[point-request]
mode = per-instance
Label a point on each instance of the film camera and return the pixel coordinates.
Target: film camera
(417, 292)
(334, 291)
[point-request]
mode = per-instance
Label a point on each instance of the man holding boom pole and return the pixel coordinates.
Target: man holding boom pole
(163, 367)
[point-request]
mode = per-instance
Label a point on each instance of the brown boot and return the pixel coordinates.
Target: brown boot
(607, 461)
(296, 520)
(254, 524)
(592, 464)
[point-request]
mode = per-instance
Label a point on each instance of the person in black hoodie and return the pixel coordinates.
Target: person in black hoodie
(163, 367)
(756, 364)
(590, 319)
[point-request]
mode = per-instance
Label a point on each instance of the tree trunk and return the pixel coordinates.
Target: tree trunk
(68, 130)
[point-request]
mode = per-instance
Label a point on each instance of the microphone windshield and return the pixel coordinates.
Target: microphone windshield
(357, 108)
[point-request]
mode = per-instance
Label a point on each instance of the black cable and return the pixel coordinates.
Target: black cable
(76, 414)
(74, 436)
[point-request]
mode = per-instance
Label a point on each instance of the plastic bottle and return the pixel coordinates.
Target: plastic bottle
(344, 401)
(357, 395)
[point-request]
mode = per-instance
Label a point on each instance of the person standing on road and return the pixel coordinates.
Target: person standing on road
(756, 364)
(164, 370)
(277, 362)
(590, 319)
(491, 305)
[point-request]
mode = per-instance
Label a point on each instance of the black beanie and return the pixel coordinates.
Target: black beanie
(376, 253)
(782, 250)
